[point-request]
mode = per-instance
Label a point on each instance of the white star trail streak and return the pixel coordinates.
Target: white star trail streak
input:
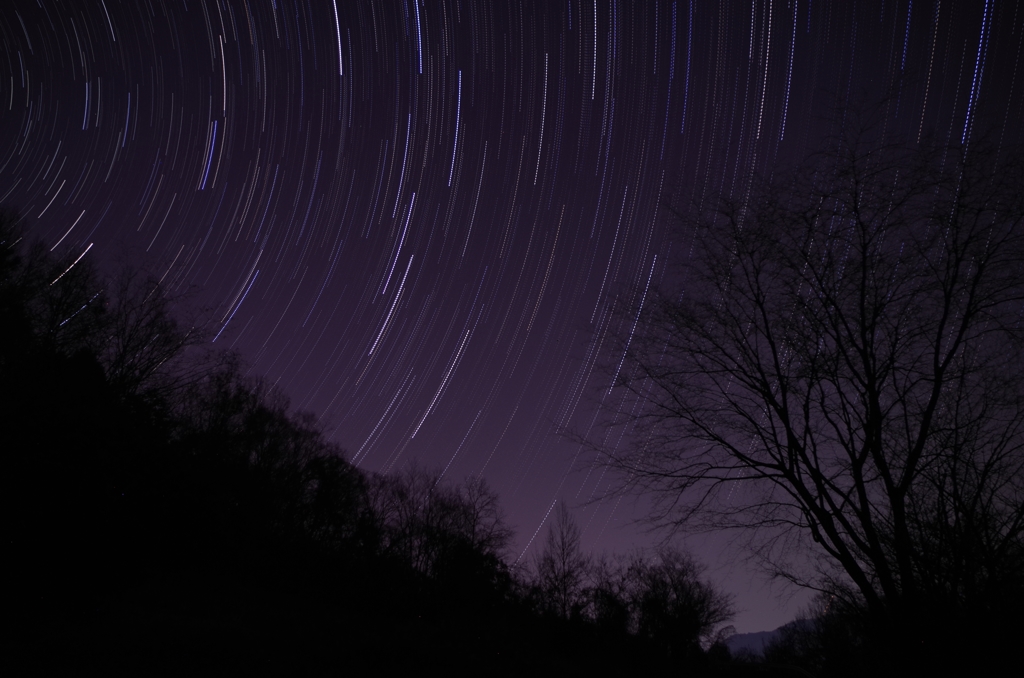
(337, 33)
(458, 117)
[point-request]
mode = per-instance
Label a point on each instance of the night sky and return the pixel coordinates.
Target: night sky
(414, 217)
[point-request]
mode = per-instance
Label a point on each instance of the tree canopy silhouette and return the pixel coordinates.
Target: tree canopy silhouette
(165, 512)
(837, 367)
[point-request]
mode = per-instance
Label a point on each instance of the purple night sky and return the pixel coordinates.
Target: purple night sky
(413, 216)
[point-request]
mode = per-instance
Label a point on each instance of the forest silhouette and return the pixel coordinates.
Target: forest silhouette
(168, 514)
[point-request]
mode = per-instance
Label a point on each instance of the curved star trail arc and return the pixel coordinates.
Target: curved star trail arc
(414, 217)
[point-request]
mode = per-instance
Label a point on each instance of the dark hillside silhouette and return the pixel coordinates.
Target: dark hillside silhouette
(166, 514)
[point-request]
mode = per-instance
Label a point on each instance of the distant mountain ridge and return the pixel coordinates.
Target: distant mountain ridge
(756, 642)
(751, 642)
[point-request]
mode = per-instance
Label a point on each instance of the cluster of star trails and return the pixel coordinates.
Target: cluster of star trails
(421, 220)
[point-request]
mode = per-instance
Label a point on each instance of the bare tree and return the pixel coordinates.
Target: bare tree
(128, 321)
(562, 568)
(427, 523)
(674, 607)
(660, 597)
(147, 349)
(56, 300)
(838, 365)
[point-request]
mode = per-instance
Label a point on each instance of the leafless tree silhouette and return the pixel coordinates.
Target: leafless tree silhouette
(562, 568)
(837, 366)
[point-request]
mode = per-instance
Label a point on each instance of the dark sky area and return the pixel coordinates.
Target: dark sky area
(413, 216)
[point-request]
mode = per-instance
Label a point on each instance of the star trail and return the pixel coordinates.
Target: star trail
(417, 218)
